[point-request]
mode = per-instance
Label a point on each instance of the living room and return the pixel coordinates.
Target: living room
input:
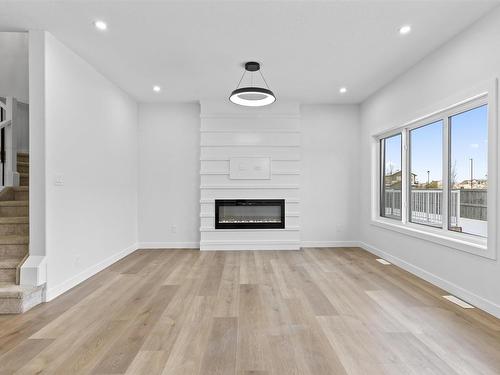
(266, 187)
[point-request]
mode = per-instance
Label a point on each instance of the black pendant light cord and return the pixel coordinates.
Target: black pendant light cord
(251, 78)
(241, 79)
(265, 82)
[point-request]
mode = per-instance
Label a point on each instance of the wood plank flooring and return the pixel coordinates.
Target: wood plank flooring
(310, 312)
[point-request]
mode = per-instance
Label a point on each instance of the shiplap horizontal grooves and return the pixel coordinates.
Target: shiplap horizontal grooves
(288, 131)
(212, 200)
(277, 165)
(281, 173)
(214, 173)
(240, 187)
(287, 214)
(225, 158)
(250, 145)
(287, 173)
(270, 140)
(249, 116)
(289, 229)
(229, 132)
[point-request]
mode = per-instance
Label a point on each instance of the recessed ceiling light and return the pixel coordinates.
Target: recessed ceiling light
(100, 25)
(156, 88)
(403, 30)
(343, 90)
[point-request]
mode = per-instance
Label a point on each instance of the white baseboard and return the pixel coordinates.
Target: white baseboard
(478, 301)
(53, 292)
(210, 245)
(245, 245)
(330, 243)
(168, 245)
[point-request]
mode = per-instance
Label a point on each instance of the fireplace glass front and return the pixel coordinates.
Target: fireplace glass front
(249, 213)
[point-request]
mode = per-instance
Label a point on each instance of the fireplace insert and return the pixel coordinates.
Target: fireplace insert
(249, 213)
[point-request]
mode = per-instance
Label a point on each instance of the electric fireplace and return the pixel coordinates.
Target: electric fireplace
(249, 213)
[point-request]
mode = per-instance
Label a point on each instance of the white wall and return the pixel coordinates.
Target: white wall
(330, 175)
(169, 170)
(91, 148)
(169, 179)
(461, 64)
(14, 65)
(37, 205)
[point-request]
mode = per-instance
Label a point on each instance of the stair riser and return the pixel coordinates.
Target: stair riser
(14, 229)
(23, 168)
(11, 306)
(23, 158)
(7, 194)
(14, 211)
(21, 305)
(11, 194)
(8, 275)
(13, 251)
(21, 195)
(24, 181)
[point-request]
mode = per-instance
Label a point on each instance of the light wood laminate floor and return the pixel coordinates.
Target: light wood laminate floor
(311, 312)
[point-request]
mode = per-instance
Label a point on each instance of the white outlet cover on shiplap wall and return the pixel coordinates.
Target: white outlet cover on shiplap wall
(250, 168)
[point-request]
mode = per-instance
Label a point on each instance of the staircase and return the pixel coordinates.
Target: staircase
(14, 241)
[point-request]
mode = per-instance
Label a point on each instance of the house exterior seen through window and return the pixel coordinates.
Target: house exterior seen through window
(445, 164)
(392, 177)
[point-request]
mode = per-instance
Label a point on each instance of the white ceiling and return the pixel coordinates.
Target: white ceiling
(195, 50)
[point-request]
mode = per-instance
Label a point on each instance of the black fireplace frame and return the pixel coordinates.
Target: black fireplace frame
(249, 202)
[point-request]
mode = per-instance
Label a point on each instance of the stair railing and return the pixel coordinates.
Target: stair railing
(8, 144)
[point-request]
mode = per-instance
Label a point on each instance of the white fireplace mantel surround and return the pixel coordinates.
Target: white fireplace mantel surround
(229, 131)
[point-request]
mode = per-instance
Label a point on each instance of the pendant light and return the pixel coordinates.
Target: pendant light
(252, 96)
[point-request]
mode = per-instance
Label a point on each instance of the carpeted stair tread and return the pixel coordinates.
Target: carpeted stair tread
(8, 263)
(13, 203)
(14, 240)
(14, 220)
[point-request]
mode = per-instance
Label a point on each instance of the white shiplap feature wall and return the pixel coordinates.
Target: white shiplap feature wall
(228, 131)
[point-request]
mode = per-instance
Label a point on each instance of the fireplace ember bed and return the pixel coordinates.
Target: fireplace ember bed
(249, 213)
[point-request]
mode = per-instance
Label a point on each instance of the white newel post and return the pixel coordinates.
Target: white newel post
(11, 174)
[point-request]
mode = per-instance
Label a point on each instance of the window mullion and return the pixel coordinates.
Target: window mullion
(404, 176)
(446, 173)
(381, 174)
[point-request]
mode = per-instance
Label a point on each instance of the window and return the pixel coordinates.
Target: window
(434, 176)
(426, 174)
(469, 172)
(392, 178)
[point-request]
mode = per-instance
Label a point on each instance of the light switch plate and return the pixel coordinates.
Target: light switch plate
(59, 180)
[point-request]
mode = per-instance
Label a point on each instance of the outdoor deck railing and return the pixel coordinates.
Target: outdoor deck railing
(426, 205)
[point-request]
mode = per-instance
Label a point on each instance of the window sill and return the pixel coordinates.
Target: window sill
(476, 246)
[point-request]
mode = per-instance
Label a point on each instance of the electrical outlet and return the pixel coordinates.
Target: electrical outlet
(59, 180)
(173, 229)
